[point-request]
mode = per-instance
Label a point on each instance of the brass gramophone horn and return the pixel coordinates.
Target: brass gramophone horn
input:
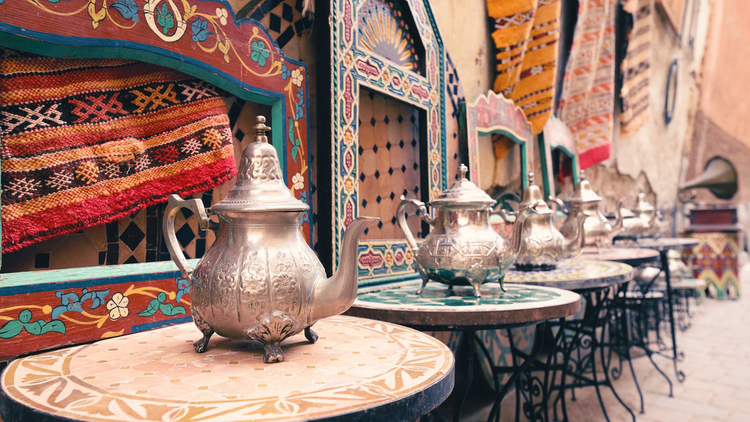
(719, 176)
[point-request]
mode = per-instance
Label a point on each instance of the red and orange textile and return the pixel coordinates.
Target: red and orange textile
(525, 36)
(84, 142)
(587, 100)
(636, 67)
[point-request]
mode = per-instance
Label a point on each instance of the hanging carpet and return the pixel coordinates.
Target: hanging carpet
(636, 67)
(84, 142)
(525, 36)
(587, 99)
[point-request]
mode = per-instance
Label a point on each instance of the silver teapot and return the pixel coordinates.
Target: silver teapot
(597, 230)
(462, 248)
(643, 220)
(542, 244)
(260, 280)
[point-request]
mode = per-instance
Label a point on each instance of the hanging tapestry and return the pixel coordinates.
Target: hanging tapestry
(85, 142)
(636, 67)
(525, 36)
(586, 103)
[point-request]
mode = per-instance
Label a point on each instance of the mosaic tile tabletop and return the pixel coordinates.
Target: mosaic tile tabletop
(437, 307)
(630, 256)
(663, 243)
(356, 365)
(575, 275)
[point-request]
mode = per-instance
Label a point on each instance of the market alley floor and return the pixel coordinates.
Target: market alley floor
(716, 365)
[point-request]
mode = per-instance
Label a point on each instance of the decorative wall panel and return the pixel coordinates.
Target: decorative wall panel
(392, 47)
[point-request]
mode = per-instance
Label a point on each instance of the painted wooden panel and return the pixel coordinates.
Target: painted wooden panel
(493, 113)
(404, 61)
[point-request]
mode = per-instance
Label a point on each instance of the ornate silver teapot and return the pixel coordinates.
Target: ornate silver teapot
(597, 229)
(542, 244)
(643, 220)
(260, 280)
(462, 248)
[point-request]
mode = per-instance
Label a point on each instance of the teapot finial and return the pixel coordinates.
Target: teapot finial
(531, 177)
(462, 169)
(261, 129)
(582, 175)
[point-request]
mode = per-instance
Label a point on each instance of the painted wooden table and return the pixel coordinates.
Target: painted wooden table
(664, 245)
(436, 309)
(358, 370)
(631, 256)
(581, 340)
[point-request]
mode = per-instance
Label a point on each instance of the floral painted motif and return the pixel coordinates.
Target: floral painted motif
(222, 15)
(158, 304)
(297, 77)
(118, 306)
(15, 327)
(260, 53)
(128, 9)
(164, 18)
(70, 302)
(298, 181)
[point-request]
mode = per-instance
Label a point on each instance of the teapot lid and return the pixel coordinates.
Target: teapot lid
(641, 203)
(584, 193)
(532, 194)
(463, 193)
(260, 184)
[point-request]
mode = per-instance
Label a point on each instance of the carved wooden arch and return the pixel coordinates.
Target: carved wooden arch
(355, 67)
(493, 113)
(556, 136)
(197, 37)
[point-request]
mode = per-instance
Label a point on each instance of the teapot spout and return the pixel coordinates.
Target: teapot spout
(510, 252)
(617, 227)
(574, 244)
(335, 295)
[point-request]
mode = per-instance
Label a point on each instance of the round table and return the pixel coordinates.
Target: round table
(663, 245)
(359, 369)
(436, 309)
(575, 275)
(593, 279)
(631, 256)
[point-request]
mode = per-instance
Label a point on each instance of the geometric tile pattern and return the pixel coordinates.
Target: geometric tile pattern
(389, 163)
(454, 96)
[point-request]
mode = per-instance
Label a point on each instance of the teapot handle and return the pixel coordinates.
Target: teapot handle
(205, 223)
(560, 204)
(401, 216)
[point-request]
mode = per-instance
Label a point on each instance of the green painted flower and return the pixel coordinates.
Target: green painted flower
(259, 53)
(164, 19)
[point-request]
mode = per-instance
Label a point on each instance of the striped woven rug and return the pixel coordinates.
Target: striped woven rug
(525, 36)
(85, 142)
(587, 100)
(636, 67)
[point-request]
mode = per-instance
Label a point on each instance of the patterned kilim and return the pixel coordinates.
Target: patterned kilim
(636, 67)
(587, 100)
(85, 142)
(525, 36)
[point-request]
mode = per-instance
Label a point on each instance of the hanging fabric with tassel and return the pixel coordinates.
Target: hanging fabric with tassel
(525, 37)
(587, 99)
(636, 67)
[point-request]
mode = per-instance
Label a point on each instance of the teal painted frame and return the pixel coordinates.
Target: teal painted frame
(353, 67)
(556, 136)
(493, 113)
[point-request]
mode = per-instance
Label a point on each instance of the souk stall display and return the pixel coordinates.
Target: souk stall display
(63, 307)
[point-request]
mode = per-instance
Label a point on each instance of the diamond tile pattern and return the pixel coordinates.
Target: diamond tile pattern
(132, 236)
(388, 162)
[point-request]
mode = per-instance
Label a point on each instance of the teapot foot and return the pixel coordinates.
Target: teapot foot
(272, 353)
(311, 335)
(201, 345)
